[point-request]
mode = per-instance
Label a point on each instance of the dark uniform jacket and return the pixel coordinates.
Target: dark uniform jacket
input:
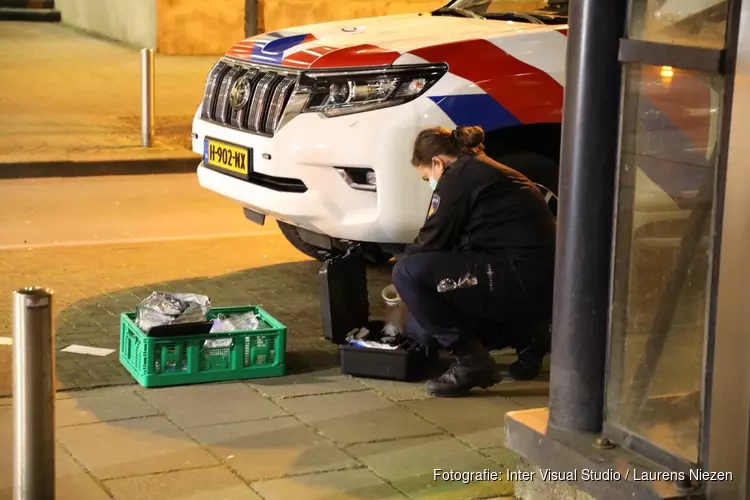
(480, 205)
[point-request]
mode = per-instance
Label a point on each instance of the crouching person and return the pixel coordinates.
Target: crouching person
(489, 225)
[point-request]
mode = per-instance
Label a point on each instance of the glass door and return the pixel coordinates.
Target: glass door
(666, 199)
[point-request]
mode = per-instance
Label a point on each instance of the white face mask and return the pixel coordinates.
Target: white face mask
(432, 180)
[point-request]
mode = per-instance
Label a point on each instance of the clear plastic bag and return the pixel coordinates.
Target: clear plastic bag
(373, 345)
(240, 322)
(379, 335)
(163, 308)
(466, 281)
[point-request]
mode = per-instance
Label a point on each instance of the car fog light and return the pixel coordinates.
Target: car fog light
(358, 178)
(344, 175)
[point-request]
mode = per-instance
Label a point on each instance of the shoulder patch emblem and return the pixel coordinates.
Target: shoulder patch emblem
(434, 204)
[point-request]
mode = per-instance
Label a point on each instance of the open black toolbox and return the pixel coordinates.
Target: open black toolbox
(346, 307)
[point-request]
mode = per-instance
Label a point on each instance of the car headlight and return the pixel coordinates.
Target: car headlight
(344, 92)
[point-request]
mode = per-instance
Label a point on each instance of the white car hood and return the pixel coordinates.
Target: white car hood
(370, 42)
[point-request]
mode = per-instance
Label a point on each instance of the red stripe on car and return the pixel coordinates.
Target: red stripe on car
(356, 56)
(242, 50)
(305, 57)
(528, 93)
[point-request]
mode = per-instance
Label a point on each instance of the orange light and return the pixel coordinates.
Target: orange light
(667, 72)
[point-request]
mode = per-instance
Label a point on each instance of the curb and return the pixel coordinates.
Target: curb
(94, 168)
(33, 15)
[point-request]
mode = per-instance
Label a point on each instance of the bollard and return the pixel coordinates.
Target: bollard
(33, 395)
(147, 97)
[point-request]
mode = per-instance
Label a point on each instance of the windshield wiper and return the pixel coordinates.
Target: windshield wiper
(453, 11)
(531, 18)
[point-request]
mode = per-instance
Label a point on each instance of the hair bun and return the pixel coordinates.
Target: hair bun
(469, 137)
(438, 141)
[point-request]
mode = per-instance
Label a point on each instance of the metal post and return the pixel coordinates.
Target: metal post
(585, 211)
(33, 395)
(147, 97)
(251, 17)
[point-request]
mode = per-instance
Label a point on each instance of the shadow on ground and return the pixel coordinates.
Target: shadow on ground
(289, 292)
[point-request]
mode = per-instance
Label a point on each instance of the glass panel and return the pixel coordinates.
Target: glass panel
(700, 23)
(661, 260)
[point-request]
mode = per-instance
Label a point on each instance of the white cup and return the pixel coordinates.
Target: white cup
(391, 297)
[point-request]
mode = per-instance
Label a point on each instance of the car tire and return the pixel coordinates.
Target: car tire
(373, 254)
(541, 170)
(292, 235)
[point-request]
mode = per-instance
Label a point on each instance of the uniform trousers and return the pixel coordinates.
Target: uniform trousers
(512, 296)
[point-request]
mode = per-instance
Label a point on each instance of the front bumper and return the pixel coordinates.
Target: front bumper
(308, 150)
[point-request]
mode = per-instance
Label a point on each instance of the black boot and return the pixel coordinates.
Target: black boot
(432, 365)
(473, 367)
(531, 356)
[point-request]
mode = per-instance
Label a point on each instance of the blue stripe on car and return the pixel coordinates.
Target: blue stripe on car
(272, 51)
(476, 109)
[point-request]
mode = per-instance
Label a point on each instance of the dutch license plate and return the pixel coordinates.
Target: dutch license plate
(227, 158)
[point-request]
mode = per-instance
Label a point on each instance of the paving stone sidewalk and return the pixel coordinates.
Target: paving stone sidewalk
(313, 434)
(72, 97)
(318, 435)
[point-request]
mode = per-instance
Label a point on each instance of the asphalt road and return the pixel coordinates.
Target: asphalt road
(97, 210)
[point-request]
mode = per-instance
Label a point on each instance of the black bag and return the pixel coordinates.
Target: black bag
(344, 302)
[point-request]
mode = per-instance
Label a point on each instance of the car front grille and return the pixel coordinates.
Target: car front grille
(268, 96)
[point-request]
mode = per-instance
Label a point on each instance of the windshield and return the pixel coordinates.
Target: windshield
(494, 8)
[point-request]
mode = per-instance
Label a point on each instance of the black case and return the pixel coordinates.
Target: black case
(345, 306)
(380, 363)
(343, 294)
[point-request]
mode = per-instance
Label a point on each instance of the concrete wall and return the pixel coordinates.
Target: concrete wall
(186, 27)
(209, 27)
(199, 27)
(278, 14)
(130, 21)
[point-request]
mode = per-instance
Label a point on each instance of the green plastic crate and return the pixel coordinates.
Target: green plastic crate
(160, 362)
